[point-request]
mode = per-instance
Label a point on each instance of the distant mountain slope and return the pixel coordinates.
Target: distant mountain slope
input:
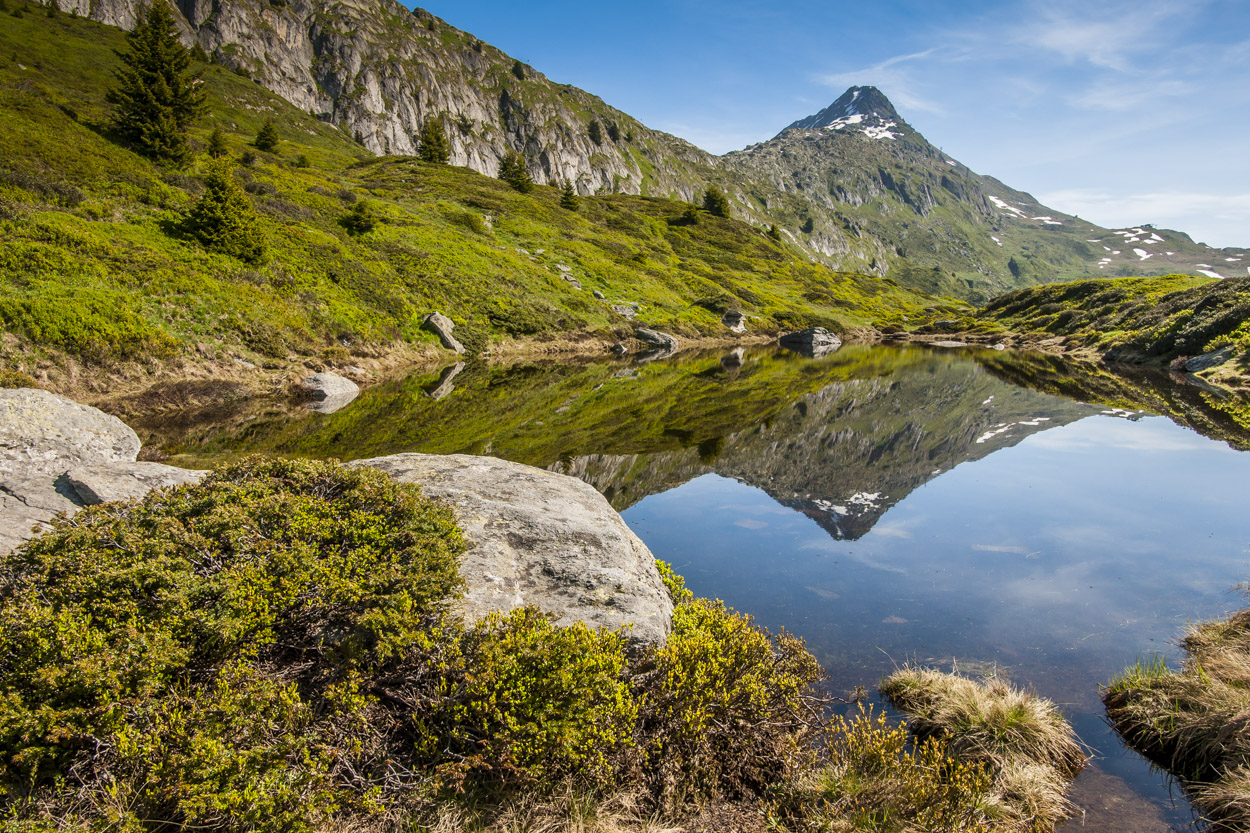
(98, 273)
(853, 186)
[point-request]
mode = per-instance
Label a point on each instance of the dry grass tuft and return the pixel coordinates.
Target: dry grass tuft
(1196, 722)
(1021, 739)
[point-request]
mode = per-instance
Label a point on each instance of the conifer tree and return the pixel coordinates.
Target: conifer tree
(223, 219)
(514, 171)
(518, 69)
(715, 202)
(432, 144)
(361, 219)
(774, 233)
(217, 146)
(595, 131)
(54, 8)
(568, 197)
(157, 96)
(267, 137)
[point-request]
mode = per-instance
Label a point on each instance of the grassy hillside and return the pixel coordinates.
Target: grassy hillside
(1134, 319)
(96, 269)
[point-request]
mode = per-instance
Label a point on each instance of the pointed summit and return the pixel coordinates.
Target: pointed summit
(864, 102)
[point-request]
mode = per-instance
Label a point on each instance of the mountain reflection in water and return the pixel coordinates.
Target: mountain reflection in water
(887, 504)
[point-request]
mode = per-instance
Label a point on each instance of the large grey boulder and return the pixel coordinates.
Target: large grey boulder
(814, 342)
(540, 538)
(442, 326)
(625, 310)
(655, 338)
(330, 392)
(42, 435)
(106, 482)
(41, 432)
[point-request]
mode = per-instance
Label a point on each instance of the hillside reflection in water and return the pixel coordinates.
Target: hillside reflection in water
(889, 505)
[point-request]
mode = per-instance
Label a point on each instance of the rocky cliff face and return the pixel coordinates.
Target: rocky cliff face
(854, 185)
(380, 71)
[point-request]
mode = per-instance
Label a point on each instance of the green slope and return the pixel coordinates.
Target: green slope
(94, 266)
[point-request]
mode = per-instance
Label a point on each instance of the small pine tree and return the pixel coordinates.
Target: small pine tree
(361, 219)
(157, 96)
(217, 146)
(432, 144)
(54, 8)
(223, 219)
(774, 233)
(614, 132)
(518, 69)
(809, 225)
(690, 217)
(267, 137)
(514, 171)
(198, 54)
(595, 131)
(568, 197)
(715, 201)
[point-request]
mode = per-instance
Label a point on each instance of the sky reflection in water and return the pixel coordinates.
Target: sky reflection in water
(1060, 560)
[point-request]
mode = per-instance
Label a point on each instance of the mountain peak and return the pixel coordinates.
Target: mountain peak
(865, 102)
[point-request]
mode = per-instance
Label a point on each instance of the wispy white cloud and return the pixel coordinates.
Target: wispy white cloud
(1103, 34)
(894, 75)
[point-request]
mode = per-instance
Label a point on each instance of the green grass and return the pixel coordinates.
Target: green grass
(96, 267)
(1143, 319)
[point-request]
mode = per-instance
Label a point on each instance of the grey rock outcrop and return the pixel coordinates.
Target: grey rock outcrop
(330, 392)
(442, 326)
(41, 432)
(625, 310)
(125, 481)
(540, 538)
(814, 342)
(1209, 360)
(657, 339)
(43, 435)
(735, 321)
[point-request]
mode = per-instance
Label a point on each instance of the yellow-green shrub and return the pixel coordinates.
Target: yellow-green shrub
(726, 705)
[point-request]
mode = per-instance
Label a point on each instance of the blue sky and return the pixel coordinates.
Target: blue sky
(1121, 112)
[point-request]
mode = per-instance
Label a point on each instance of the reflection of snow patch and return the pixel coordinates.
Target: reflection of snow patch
(1004, 427)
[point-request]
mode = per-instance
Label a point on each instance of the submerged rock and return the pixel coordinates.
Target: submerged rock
(814, 342)
(540, 538)
(442, 326)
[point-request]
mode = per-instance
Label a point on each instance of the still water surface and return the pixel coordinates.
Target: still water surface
(889, 505)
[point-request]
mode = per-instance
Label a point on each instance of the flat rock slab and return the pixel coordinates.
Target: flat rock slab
(1209, 360)
(544, 539)
(41, 432)
(126, 481)
(27, 506)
